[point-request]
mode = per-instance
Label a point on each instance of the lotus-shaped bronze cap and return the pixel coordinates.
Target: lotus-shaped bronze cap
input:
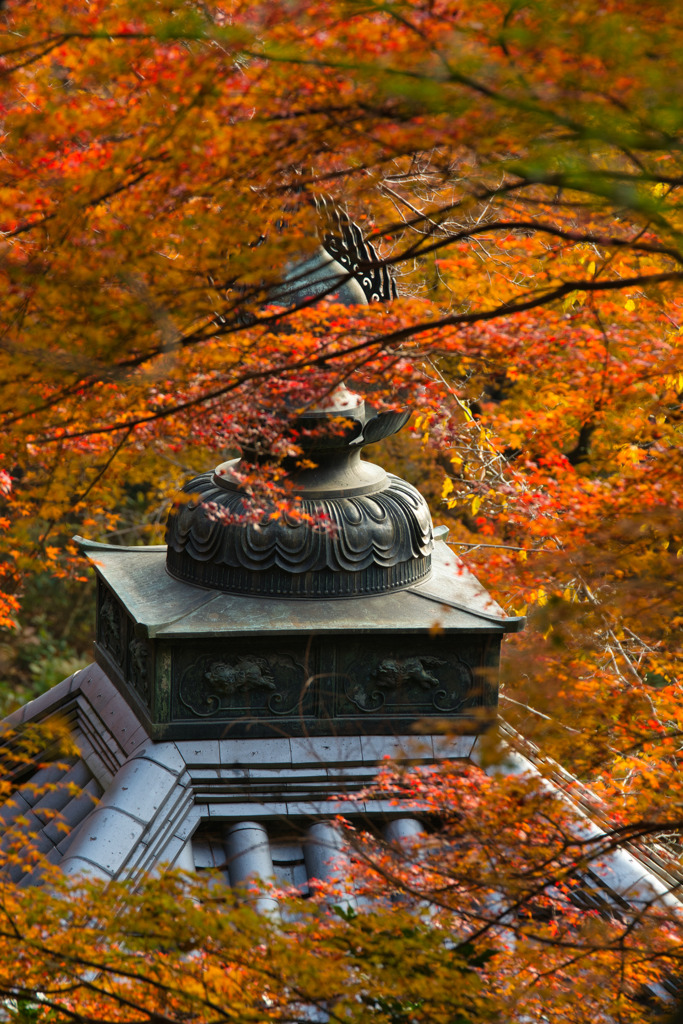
(377, 532)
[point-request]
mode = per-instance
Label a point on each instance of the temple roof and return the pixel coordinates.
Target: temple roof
(154, 796)
(142, 803)
(164, 607)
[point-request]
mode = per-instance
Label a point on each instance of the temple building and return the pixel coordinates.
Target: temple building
(249, 678)
(245, 673)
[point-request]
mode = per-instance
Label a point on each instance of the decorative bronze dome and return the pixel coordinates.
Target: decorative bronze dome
(379, 533)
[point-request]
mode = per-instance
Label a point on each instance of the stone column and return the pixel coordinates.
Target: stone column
(403, 830)
(326, 859)
(185, 859)
(402, 834)
(248, 852)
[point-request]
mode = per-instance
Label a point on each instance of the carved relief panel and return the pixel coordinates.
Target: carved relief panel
(127, 658)
(406, 678)
(241, 680)
(110, 625)
(140, 669)
(273, 685)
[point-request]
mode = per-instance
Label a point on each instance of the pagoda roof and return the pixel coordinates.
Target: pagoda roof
(450, 599)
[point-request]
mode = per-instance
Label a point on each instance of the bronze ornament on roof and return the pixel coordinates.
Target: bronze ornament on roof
(228, 630)
(376, 532)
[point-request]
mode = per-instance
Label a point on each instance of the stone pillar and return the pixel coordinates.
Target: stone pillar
(403, 835)
(248, 853)
(326, 859)
(403, 830)
(185, 859)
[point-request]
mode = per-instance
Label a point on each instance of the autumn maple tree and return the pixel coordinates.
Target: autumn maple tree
(518, 167)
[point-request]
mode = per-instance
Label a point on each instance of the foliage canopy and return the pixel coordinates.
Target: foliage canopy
(518, 165)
